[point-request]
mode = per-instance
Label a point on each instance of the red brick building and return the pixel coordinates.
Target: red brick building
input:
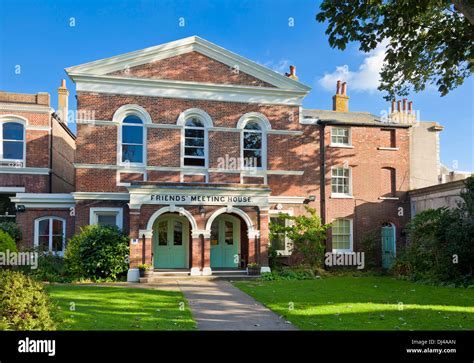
(192, 149)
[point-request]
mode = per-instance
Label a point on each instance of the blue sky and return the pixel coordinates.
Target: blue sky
(37, 36)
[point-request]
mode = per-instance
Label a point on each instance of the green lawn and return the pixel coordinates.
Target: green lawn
(365, 303)
(119, 308)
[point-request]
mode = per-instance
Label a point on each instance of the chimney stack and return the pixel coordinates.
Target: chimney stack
(403, 113)
(340, 101)
(63, 96)
(292, 73)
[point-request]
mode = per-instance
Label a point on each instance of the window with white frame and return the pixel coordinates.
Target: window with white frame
(50, 234)
(341, 181)
(133, 148)
(253, 145)
(195, 135)
(342, 235)
(340, 136)
(12, 141)
(280, 242)
(107, 217)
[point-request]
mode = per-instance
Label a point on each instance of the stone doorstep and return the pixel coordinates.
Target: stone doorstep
(168, 278)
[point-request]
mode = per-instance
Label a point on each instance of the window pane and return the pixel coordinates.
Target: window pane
(107, 219)
(194, 122)
(194, 162)
(229, 233)
(43, 227)
(252, 140)
(57, 243)
(177, 233)
(194, 142)
(194, 151)
(132, 119)
(57, 227)
(252, 158)
(163, 233)
(12, 131)
(132, 135)
(251, 125)
(194, 133)
(13, 150)
(43, 243)
(132, 153)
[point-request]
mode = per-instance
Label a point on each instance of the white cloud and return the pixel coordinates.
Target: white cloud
(282, 66)
(366, 78)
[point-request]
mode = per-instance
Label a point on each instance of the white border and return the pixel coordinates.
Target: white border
(93, 215)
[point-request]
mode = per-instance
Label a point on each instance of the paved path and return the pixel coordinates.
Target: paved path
(218, 305)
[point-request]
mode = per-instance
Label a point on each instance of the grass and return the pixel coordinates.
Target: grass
(365, 303)
(80, 307)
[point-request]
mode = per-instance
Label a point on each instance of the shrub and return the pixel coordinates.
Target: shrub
(12, 229)
(440, 244)
(288, 274)
(24, 305)
(307, 234)
(98, 252)
(7, 242)
(369, 244)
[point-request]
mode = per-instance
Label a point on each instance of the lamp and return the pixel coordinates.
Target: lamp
(310, 198)
(202, 210)
(20, 208)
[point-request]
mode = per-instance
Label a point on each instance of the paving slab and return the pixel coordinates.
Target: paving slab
(218, 305)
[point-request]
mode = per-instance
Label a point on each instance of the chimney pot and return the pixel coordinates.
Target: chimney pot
(404, 104)
(410, 106)
(338, 87)
(393, 106)
(293, 70)
(63, 83)
(343, 89)
(399, 106)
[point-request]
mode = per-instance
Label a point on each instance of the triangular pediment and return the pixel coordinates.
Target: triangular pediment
(190, 59)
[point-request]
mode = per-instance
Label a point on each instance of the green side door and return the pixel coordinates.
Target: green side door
(388, 246)
(225, 238)
(171, 241)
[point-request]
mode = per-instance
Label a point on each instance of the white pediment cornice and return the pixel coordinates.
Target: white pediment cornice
(106, 66)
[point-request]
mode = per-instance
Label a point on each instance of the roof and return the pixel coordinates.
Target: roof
(105, 66)
(347, 118)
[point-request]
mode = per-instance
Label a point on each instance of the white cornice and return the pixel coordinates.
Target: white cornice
(186, 90)
(27, 170)
(12, 107)
(100, 196)
(43, 200)
(286, 199)
(186, 45)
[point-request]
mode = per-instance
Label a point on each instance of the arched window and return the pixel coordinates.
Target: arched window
(194, 148)
(194, 142)
(131, 149)
(50, 234)
(252, 145)
(254, 127)
(132, 140)
(12, 141)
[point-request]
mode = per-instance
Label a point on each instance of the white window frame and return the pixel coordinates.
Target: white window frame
(342, 195)
(288, 244)
(95, 212)
(349, 137)
(265, 126)
(119, 116)
(50, 244)
(12, 119)
(351, 237)
(206, 120)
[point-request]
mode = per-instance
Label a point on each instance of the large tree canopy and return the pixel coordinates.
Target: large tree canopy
(429, 41)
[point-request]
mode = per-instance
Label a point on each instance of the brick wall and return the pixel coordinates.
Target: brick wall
(64, 147)
(192, 67)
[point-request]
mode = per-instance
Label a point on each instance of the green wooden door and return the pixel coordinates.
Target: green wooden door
(171, 241)
(388, 246)
(225, 239)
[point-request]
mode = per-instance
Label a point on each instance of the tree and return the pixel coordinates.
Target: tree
(429, 41)
(307, 234)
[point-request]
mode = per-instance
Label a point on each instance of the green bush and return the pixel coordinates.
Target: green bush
(7, 242)
(12, 229)
(97, 253)
(369, 244)
(288, 274)
(24, 305)
(440, 248)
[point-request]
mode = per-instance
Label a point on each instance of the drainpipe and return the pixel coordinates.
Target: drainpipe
(322, 182)
(257, 239)
(143, 248)
(322, 168)
(201, 237)
(50, 181)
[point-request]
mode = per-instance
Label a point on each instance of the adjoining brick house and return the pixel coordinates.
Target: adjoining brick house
(192, 150)
(36, 159)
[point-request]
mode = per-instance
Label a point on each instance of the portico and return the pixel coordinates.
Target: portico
(198, 226)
